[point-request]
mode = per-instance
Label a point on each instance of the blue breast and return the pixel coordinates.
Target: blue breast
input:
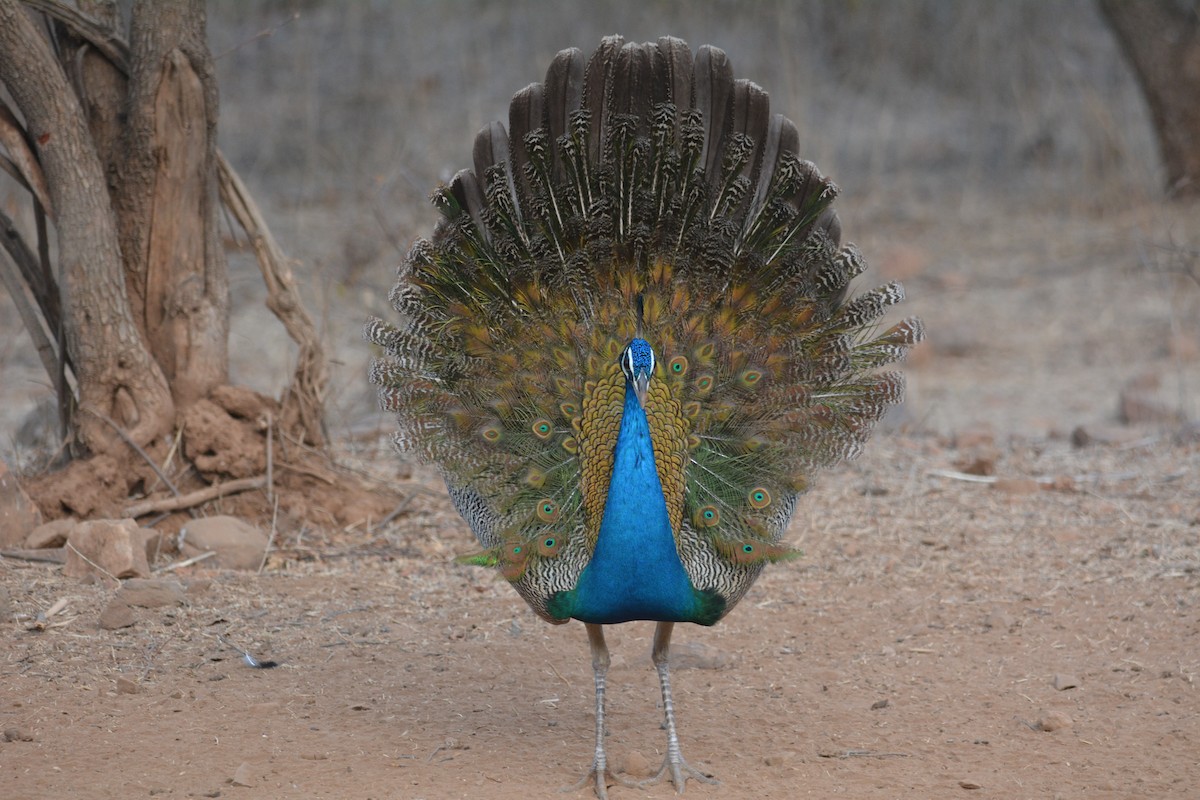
(635, 571)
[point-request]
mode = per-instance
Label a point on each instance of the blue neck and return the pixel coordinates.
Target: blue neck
(635, 571)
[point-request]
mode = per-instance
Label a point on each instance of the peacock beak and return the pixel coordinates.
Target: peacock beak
(641, 384)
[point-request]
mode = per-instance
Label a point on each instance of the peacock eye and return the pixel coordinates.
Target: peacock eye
(707, 517)
(547, 510)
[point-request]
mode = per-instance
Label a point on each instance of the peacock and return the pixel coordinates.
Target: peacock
(629, 345)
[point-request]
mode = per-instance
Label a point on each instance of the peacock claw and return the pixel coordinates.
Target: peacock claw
(603, 777)
(680, 771)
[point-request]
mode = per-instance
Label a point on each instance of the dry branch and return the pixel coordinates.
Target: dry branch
(195, 498)
(305, 398)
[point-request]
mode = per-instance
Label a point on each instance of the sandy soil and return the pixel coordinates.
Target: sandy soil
(914, 652)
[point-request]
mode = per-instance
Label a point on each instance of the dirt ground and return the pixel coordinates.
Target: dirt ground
(1033, 631)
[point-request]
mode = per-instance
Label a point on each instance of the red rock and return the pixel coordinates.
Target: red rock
(51, 534)
(238, 545)
(1055, 720)
(106, 546)
(117, 614)
(151, 593)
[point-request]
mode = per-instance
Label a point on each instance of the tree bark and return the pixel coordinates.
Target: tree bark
(118, 380)
(1161, 39)
(167, 198)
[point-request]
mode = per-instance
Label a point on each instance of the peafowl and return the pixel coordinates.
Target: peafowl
(628, 346)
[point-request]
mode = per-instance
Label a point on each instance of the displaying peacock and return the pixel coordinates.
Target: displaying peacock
(628, 346)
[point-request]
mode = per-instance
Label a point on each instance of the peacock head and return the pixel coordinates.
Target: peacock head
(637, 362)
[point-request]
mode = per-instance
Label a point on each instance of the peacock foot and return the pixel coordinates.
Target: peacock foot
(603, 778)
(679, 772)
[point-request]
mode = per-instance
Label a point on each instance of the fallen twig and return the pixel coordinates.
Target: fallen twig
(195, 498)
(270, 539)
(187, 562)
(93, 564)
(49, 555)
(861, 754)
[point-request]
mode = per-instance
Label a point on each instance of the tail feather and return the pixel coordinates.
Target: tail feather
(645, 177)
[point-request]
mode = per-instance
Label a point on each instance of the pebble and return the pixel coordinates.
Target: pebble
(878, 704)
(151, 593)
(1062, 681)
(17, 735)
(999, 620)
(969, 785)
(117, 614)
(127, 686)
(1055, 720)
(242, 776)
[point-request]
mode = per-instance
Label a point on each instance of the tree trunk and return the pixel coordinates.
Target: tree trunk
(167, 198)
(119, 382)
(116, 143)
(1161, 39)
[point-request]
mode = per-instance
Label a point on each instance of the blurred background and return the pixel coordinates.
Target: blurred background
(989, 154)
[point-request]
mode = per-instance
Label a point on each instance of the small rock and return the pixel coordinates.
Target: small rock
(117, 614)
(1062, 682)
(878, 704)
(1081, 437)
(18, 514)
(969, 785)
(151, 593)
(17, 735)
(698, 655)
(242, 776)
(636, 765)
(1054, 720)
(238, 545)
(1017, 486)
(113, 546)
(52, 534)
(998, 619)
(126, 686)
(980, 461)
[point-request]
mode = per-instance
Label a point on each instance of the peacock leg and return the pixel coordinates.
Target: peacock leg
(599, 771)
(673, 764)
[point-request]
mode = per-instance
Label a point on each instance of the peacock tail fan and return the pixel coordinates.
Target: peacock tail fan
(641, 178)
